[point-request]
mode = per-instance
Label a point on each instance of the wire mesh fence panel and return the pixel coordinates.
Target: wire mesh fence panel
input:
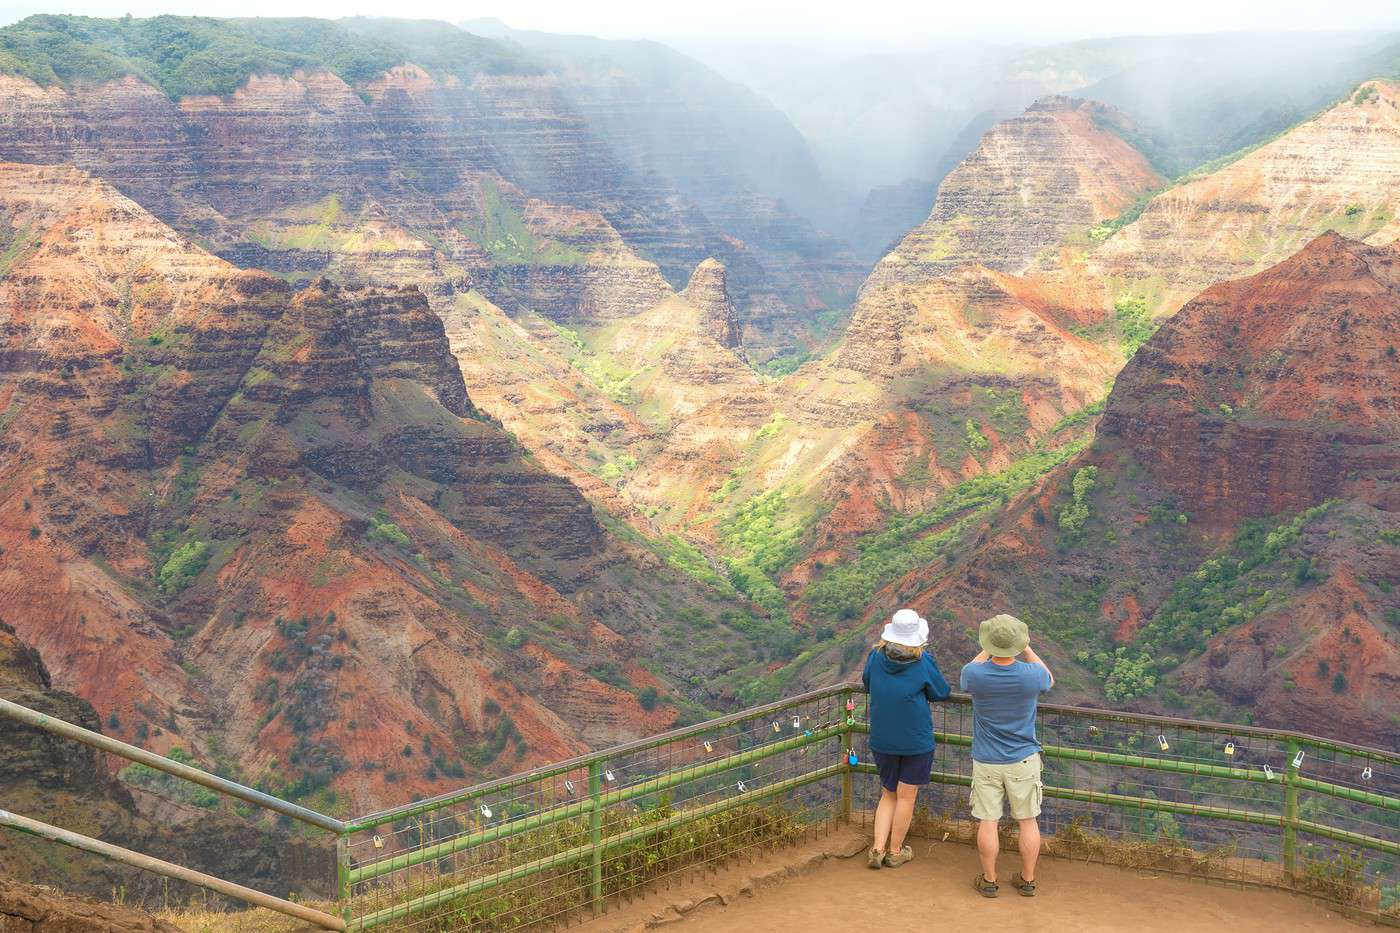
(557, 844)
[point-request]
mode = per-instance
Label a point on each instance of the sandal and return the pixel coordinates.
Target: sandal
(874, 859)
(1024, 888)
(984, 887)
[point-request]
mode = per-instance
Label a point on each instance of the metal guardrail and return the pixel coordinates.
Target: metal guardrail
(1255, 806)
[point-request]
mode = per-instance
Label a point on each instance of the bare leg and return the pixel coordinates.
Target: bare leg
(1030, 848)
(884, 818)
(903, 814)
(988, 846)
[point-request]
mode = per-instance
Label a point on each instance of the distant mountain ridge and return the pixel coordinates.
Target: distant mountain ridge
(439, 160)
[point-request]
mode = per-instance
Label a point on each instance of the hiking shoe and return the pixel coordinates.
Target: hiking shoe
(896, 859)
(1023, 887)
(875, 859)
(984, 887)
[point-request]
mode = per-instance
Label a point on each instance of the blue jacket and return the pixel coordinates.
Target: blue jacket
(900, 692)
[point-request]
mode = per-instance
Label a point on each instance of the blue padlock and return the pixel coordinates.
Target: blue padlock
(852, 759)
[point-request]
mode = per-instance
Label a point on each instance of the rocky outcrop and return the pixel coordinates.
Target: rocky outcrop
(709, 295)
(243, 516)
(1273, 393)
(1338, 171)
(30, 909)
(1057, 169)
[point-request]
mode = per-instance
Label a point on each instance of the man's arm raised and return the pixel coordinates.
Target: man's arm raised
(1034, 658)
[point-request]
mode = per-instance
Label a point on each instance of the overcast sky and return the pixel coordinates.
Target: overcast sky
(878, 21)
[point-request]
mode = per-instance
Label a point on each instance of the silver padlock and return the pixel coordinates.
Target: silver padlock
(797, 722)
(742, 788)
(1268, 773)
(570, 788)
(1366, 773)
(608, 775)
(485, 811)
(1298, 759)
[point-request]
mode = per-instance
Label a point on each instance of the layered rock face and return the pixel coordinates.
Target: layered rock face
(1194, 544)
(1273, 393)
(237, 511)
(1338, 171)
(1055, 170)
(708, 293)
(402, 159)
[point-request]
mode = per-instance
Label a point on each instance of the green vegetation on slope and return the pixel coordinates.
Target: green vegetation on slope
(188, 55)
(1252, 575)
(762, 538)
(846, 590)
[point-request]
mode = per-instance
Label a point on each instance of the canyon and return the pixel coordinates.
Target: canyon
(374, 423)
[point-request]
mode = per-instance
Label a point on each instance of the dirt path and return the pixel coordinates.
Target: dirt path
(810, 893)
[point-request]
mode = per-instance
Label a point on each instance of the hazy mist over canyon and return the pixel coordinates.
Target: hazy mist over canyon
(392, 400)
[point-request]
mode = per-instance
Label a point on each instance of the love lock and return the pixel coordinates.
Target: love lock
(485, 811)
(797, 722)
(742, 788)
(1163, 744)
(1366, 773)
(378, 842)
(709, 747)
(1298, 760)
(1230, 749)
(776, 727)
(850, 720)
(850, 706)
(608, 775)
(1268, 773)
(570, 788)
(852, 759)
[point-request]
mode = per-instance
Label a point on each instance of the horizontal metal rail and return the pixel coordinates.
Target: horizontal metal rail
(579, 853)
(147, 863)
(583, 761)
(645, 788)
(1176, 766)
(151, 760)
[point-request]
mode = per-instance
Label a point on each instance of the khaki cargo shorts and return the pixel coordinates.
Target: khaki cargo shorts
(1017, 783)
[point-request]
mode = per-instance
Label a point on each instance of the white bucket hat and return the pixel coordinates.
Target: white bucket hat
(906, 628)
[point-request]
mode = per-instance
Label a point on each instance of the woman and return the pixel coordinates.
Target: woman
(902, 679)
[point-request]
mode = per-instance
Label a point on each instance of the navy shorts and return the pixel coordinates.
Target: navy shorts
(903, 769)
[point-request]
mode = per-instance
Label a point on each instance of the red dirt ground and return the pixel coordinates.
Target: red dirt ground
(814, 888)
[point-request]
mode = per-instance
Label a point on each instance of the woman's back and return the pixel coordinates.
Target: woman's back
(901, 684)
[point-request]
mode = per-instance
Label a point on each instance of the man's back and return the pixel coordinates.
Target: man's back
(1003, 709)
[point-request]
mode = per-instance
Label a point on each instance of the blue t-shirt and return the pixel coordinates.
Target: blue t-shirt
(900, 692)
(1003, 709)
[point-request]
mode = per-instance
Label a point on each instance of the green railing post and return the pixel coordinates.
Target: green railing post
(342, 875)
(847, 792)
(1290, 814)
(595, 833)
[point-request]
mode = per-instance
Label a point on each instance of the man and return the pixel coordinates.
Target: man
(1005, 752)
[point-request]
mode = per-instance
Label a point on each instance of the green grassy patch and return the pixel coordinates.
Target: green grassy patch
(501, 231)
